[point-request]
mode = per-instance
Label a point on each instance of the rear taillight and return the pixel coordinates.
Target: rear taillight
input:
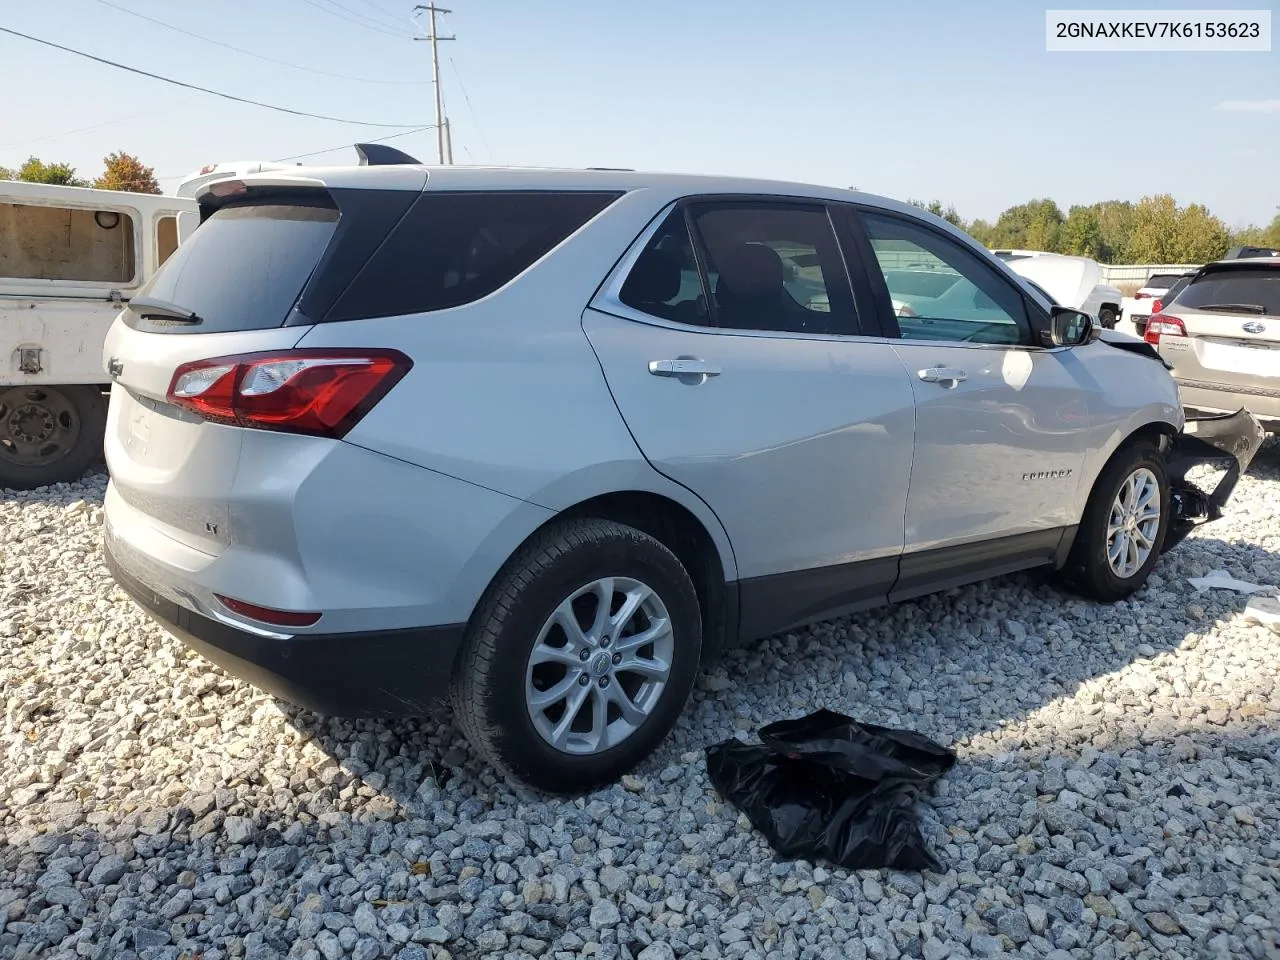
(1141, 296)
(317, 392)
(1157, 305)
(1162, 326)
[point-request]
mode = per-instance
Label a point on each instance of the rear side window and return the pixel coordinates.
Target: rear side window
(455, 247)
(1235, 291)
(241, 270)
(63, 243)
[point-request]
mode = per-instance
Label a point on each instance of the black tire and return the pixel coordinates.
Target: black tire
(74, 419)
(488, 685)
(1107, 317)
(1087, 570)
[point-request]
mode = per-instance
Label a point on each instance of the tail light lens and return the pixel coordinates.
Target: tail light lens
(1157, 305)
(1141, 296)
(1162, 326)
(317, 392)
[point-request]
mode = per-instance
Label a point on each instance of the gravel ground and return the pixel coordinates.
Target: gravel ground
(1116, 795)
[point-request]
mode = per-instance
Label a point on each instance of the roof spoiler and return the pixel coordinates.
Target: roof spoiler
(380, 155)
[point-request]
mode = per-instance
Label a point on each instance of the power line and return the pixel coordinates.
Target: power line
(377, 6)
(395, 20)
(316, 153)
(95, 126)
(250, 53)
(192, 86)
(365, 22)
(474, 115)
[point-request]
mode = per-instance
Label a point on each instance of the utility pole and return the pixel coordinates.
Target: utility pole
(435, 37)
(448, 142)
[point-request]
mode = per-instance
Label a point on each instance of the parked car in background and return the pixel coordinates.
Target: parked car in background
(1221, 335)
(1137, 308)
(1243, 253)
(536, 442)
(1075, 282)
(70, 257)
(1159, 291)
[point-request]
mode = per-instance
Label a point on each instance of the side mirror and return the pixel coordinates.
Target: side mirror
(1068, 328)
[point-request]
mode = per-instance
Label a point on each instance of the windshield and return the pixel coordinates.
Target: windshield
(242, 269)
(1242, 289)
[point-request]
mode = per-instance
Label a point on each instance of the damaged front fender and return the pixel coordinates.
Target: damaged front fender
(1228, 441)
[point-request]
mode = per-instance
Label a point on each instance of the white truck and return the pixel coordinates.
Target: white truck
(1076, 282)
(69, 256)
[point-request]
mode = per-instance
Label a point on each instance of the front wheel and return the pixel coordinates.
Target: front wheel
(1123, 528)
(49, 434)
(580, 658)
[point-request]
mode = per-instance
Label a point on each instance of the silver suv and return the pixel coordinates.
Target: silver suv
(540, 442)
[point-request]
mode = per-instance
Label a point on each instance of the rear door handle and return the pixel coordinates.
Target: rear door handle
(947, 376)
(685, 368)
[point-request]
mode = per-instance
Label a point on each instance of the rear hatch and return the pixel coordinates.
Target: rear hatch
(1224, 327)
(240, 284)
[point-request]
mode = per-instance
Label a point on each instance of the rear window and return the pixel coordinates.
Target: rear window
(455, 247)
(1243, 291)
(242, 269)
(1165, 280)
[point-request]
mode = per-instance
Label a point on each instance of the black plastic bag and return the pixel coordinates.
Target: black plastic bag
(825, 787)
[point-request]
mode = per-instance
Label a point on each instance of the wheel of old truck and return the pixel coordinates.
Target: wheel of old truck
(580, 658)
(49, 434)
(1107, 317)
(1121, 533)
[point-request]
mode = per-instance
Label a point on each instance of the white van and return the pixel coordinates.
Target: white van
(69, 257)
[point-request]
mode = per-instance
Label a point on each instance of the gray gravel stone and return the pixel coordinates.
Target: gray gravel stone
(1114, 796)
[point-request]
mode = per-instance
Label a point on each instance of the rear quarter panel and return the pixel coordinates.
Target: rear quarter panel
(506, 392)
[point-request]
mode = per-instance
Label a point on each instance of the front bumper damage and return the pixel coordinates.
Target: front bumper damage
(1227, 441)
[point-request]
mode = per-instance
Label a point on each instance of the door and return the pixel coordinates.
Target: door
(729, 339)
(1002, 425)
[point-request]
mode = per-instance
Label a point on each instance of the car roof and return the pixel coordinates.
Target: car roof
(1242, 263)
(410, 176)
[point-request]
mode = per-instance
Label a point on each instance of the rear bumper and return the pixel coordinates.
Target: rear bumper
(1224, 441)
(379, 674)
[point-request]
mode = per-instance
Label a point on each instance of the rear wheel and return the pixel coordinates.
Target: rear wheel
(1122, 531)
(1107, 317)
(49, 434)
(581, 657)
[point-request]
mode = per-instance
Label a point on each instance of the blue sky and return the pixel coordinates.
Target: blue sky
(954, 101)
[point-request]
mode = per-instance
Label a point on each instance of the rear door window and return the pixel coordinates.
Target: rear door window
(1243, 291)
(454, 247)
(773, 266)
(241, 270)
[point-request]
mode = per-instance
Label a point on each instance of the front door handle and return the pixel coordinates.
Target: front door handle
(685, 369)
(947, 376)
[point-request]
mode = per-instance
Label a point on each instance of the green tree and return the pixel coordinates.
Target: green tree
(35, 170)
(1035, 225)
(126, 172)
(1082, 233)
(983, 232)
(1152, 234)
(1199, 236)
